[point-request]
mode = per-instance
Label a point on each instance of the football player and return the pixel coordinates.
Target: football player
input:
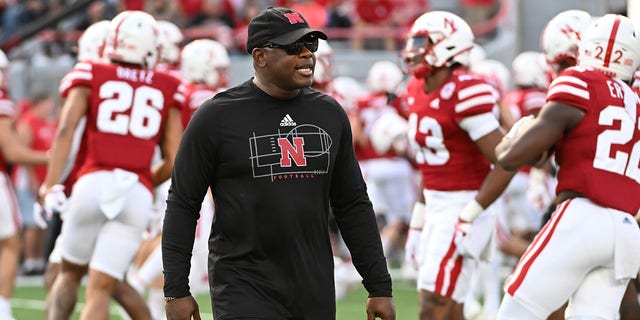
(11, 152)
(130, 108)
(453, 131)
(590, 244)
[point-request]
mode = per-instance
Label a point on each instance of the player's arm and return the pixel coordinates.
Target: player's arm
(74, 108)
(483, 128)
(533, 139)
(505, 116)
(498, 178)
(171, 136)
(14, 151)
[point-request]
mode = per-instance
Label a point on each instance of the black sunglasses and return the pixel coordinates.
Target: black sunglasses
(296, 47)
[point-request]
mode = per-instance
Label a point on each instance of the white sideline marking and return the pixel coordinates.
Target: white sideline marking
(31, 304)
(17, 303)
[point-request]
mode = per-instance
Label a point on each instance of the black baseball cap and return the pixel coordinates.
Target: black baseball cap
(280, 26)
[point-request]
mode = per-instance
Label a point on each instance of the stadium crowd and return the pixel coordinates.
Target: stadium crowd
(444, 140)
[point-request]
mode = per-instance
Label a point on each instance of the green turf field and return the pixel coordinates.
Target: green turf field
(28, 303)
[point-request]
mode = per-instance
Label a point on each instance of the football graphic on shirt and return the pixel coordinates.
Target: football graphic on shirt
(298, 153)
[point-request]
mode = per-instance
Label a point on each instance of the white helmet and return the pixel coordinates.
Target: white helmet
(611, 44)
(323, 71)
(207, 61)
(530, 69)
(349, 89)
(389, 131)
(494, 71)
(4, 70)
(170, 39)
(384, 76)
(476, 54)
(91, 42)
(4, 61)
(133, 38)
(437, 39)
(562, 34)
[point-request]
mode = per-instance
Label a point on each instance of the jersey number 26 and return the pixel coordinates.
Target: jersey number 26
(146, 103)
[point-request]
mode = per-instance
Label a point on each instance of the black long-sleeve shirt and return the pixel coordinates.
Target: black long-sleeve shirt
(276, 168)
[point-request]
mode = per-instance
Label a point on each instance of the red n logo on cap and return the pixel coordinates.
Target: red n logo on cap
(294, 17)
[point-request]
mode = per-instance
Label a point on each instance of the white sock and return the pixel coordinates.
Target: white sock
(155, 302)
(491, 285)
(151, 268)
(5, 308)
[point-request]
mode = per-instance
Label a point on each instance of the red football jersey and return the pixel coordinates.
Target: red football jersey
(369, 108)
(127, 110)
(441, 126)
(600, 157)
(42, 134)
(194, 95)
(522, 102)
(7, 110)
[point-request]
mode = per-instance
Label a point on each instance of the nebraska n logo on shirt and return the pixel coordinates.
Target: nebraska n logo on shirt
(291, 153)
(287, 121)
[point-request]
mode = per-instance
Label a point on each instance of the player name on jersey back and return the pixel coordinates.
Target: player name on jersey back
(136, 75)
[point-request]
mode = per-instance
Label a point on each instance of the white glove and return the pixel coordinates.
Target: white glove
(41, 216)
(463, 228)
(513, 132)
(411, 247)
(54, 200)
(538, 192)
(155, 224)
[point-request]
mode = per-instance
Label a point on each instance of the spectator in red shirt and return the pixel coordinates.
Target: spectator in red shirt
(373, 13)
(314, 11)
(36, 129)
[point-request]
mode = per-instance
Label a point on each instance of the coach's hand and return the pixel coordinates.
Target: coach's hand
(185, 308)
(381, 308)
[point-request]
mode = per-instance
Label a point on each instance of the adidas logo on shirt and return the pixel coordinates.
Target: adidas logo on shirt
(287, 121)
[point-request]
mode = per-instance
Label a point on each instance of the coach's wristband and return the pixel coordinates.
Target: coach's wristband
(169, 299)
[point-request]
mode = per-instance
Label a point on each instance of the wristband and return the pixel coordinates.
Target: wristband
(417, 216)
(169, 299)
(470, 211)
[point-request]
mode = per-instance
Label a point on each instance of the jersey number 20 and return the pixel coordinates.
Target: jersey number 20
(145, 103)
